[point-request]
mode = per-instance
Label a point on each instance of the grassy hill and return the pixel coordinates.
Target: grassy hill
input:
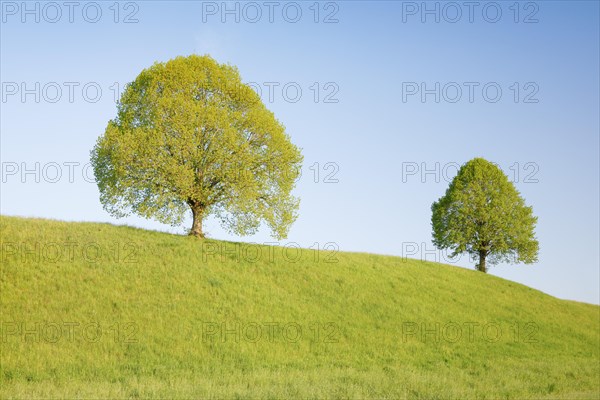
(98, 311)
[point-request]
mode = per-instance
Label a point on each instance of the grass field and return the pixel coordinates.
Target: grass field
(100, 311)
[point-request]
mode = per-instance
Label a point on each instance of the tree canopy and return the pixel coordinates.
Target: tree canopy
(189, 135)
(483, 214)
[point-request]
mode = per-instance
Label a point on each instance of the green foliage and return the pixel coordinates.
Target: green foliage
(190, 134)
(152, 301)
(483, 215)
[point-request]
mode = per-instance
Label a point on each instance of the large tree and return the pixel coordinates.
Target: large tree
(189, 135)
(482, 214)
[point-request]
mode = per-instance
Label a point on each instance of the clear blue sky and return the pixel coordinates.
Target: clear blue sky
(371, 61)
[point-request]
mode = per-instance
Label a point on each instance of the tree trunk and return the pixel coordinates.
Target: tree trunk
(197, 213)
(481, 267)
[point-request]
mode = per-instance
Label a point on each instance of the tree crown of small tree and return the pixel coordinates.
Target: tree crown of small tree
(190, 135)
(483, 214)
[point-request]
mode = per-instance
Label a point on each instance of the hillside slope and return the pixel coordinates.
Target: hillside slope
(100, 311)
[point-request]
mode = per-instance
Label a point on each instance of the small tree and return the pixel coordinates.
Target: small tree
(189, 135)
(483, 215)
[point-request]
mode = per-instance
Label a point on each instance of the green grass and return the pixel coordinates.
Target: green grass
(147, 321)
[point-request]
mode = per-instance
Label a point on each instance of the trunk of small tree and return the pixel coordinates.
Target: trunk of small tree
(482, 267)
(197, 213)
